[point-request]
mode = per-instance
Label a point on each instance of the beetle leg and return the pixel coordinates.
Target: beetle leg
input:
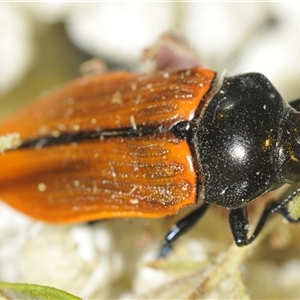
(181, 227)
(239, 224)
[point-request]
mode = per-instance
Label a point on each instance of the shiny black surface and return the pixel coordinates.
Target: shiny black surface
(239, 141)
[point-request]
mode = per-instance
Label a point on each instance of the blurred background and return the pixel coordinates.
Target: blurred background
(42, 45)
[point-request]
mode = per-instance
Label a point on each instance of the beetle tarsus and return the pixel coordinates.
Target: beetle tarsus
(165, 250)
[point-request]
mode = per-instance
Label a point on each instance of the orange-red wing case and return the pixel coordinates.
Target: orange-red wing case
(146, 175)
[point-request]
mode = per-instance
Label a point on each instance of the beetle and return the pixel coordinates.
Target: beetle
(146, 145)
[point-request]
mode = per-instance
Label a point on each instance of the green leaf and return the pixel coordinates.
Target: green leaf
(10, 291)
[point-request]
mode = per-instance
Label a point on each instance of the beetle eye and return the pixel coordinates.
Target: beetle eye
(291, 170)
